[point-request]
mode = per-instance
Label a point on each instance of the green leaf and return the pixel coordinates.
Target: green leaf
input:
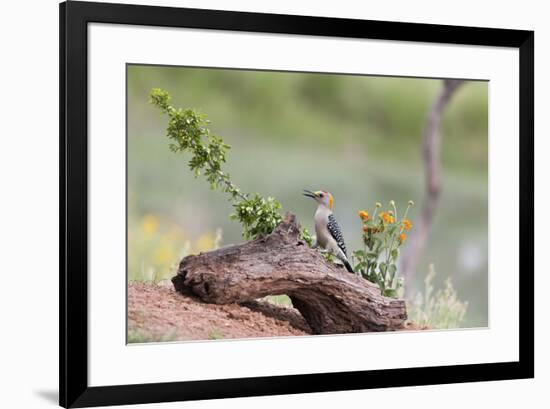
(390, 292)
(371, 255)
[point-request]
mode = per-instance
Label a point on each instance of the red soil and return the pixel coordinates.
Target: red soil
(158, 313)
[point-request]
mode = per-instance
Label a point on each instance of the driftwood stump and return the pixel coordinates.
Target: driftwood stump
(329, 298)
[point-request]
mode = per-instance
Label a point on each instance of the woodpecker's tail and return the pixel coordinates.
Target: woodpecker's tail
(348, 266)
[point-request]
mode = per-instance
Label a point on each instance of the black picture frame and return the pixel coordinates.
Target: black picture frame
(73, 350)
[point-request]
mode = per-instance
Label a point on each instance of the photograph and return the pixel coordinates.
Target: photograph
(282, 204)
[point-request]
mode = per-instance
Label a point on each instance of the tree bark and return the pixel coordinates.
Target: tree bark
(431, 150)
(330, 299)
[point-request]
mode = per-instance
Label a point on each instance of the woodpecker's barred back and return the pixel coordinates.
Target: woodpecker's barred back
(336, 233)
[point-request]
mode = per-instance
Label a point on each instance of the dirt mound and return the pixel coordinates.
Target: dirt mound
(158, 313)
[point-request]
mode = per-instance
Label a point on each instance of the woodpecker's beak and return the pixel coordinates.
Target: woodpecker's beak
(309, 193)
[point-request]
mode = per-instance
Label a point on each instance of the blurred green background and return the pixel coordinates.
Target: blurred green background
(358, 137)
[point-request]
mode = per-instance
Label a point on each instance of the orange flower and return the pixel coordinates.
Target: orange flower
(402, 237)
(407, 224)
(388, 218)
(364, 215)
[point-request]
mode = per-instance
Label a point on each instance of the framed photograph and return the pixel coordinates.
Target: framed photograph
(258, 204)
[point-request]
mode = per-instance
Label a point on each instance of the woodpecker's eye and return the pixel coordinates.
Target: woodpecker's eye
(321, 195)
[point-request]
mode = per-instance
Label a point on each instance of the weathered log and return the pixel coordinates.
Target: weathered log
(330, 299)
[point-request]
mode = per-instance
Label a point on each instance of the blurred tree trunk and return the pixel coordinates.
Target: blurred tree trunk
(432, 152)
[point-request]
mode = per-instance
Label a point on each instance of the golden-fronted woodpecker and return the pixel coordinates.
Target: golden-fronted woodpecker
(329, 234)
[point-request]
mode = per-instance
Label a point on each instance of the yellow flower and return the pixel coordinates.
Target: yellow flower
(364, 215)
(407, 224)
(163, 255)
(205, 242)
(402, 237)
(150, 224)
(387, 217)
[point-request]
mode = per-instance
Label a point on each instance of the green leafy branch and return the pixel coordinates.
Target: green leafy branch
(188, 132)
